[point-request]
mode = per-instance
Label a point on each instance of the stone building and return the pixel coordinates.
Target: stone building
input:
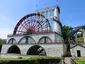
(78, 50)
(37, 34)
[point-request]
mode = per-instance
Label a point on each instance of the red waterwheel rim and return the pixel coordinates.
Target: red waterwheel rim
(32, 23)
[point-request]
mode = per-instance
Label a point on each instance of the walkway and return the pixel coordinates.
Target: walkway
(67, 60)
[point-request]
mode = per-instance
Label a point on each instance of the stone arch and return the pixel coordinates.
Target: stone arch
(45, 39)
(73, 33)
(11, 41)
(14, 49)
(27, 39)
(36, 50)
(81, 32)
(76, 30)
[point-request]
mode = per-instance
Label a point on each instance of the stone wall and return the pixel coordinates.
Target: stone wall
(55, 50)
(74, 50)
(53, 36)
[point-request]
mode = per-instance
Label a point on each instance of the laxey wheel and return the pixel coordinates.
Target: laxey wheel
(32, 23)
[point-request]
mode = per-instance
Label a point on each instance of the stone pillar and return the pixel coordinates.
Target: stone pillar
(84, 35)
(56, 13)
(57, 27)
(76, 39)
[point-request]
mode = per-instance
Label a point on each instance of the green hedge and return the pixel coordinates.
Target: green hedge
(33, 60)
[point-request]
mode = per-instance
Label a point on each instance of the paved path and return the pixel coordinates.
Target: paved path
(67, 60)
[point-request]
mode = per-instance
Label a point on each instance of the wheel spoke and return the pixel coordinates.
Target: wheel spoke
(24, 26)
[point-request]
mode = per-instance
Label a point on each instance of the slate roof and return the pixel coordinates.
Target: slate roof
(78, 45)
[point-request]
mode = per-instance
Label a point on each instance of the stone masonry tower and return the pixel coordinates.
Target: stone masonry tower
(57, 24)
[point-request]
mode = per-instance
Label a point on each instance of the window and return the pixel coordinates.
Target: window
(45, 40)
(27, 39)
(11, 41)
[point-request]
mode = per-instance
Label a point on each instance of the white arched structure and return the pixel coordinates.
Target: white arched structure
(51, 40)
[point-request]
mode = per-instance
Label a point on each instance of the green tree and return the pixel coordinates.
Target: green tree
(65, 33)
(2, 41)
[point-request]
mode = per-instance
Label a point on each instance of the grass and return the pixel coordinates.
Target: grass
(80, 60)
(32, 58)
(4, 59)
(80, 39)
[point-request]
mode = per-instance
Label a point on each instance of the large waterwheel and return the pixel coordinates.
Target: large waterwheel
(32, 23)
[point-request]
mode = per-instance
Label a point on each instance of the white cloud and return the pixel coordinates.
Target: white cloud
(4, 32)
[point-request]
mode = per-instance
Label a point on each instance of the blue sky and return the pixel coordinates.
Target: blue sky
(11, 11)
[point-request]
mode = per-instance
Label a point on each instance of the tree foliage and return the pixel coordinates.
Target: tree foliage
(65, 31)
(2, 41)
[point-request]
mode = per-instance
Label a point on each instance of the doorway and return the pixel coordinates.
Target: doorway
(78, 53)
